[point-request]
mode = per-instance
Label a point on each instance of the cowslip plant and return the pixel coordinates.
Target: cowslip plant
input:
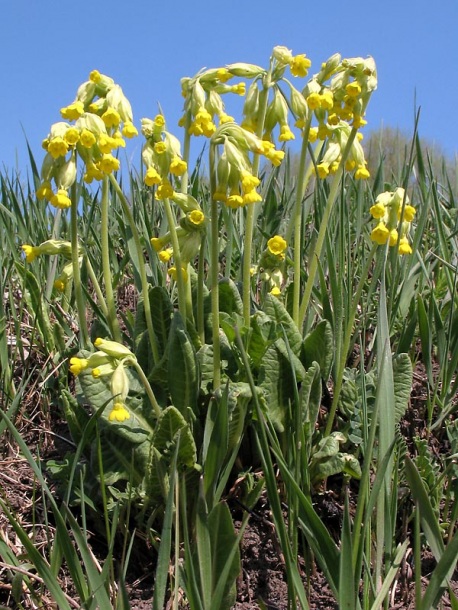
(207, 342)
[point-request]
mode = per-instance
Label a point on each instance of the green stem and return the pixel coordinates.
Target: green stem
(315, 256)
(98, 291)
(79, 295)
(142, 268)
(181, 286)
(250, 216)
(301, 185)
(53, 259)
(143, 378)
(214, 274)
(106, 269)
(346, 341)
(200, 292)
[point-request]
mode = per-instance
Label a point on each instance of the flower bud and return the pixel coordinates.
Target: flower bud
(120, 383)
(282, 54)
(113, 348)
(66, 175)
(245, 70)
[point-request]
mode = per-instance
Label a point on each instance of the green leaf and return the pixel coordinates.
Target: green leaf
(276, 311)
(262, 334)
(347, 592)
(277, 380)
(222, 539)
(183, 370)
(161, 316)
(402, 379)
(310, 397)
(318, 346)
(122, 458)
(171, 428)
(34, 295)
(230, 300)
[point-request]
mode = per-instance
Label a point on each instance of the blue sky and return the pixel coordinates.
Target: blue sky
(48, 47)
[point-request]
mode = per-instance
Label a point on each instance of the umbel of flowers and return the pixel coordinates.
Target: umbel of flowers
(54, 247)
(95, 126)
(110, 360)
(393, 214)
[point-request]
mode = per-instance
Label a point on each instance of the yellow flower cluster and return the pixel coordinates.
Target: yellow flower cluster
(53, 247)
(110, 360)
(236, 184)
(161, 154)
(394, 215)
(102, 118)
(203, 101)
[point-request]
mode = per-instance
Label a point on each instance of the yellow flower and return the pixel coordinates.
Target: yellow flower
(393, 237)
(119, 412)
(299, 65)
(276, 292)
(409, 213)
(378, 210)
(165, 255)
(234, 201)
(314, 101)
(239, 89)
(59, 285)
(61, 200)
(251, 197)
(108, 164)
(285, 134)
(164, 190)
(45, 191)
(72, 136)
(111, 117)
(152, 176)
(31, 252)
(322, 170)
(380, 234)
(87, 138)
(223, 75)
(160, 147)
(157, 243)
(197, 217)
(276, 245)
(72, 111)
(275, 156)
(404, 246)
(172, 271)
(57, 147)
(78, 364)
(249, 182)
(362, 173)
(178, 167)
(129, 130)
(353, 89)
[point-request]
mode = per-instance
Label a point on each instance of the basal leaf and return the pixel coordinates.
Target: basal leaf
(318, 346)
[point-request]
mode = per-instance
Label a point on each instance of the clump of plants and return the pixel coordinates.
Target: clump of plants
(255, 283)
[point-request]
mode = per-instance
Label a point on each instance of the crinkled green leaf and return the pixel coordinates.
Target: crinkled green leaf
(318, 346)
(171, 429)
(310, 397)
(262, 334)
(402, 378)
(183, 370)
(276, 311)
(277, 380)
(230, 300)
